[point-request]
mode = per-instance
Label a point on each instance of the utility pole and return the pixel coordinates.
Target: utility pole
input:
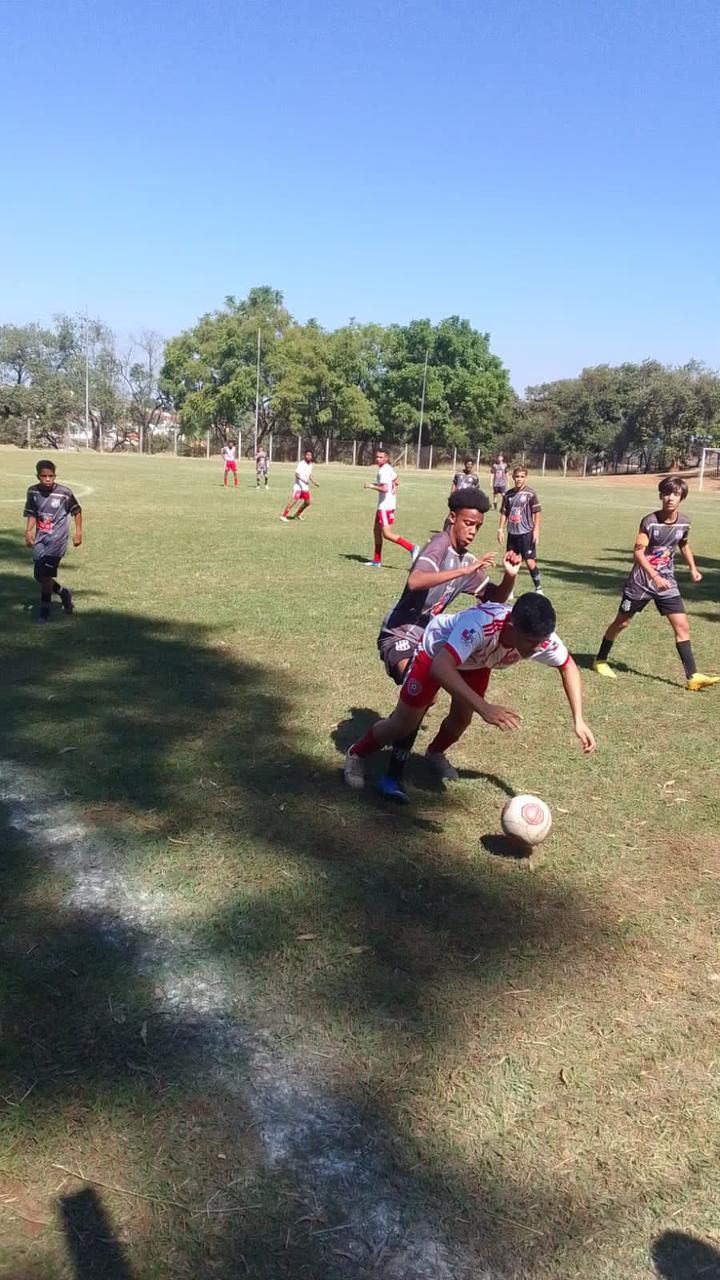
(87, 381)
(257, 395)
(422, 407)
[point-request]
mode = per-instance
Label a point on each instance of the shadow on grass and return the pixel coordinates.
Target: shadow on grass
(585, 660)
(677, 1256)
(161, 738)
(609, 581)
(94, 1251)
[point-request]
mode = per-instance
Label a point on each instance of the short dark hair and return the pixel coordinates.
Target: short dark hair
(534, 615)
(673, 484)
(45, 465)
(470, 460)
(380, 448)
(469, 499)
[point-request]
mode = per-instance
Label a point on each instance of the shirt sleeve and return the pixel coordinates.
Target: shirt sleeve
(505, 508)
(646, 527)
(432, 554)
(535, 503)
(476, 583)
(467, 635)
(73, 506)
(552, 652)
(29, 508)
(685, 535)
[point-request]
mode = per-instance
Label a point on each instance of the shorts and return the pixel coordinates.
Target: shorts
(419, 688)
(395, 647)
(231, 466)
(522, 544)
(384, 518)
(300, 494)
(666, 602)
(499, 488)
(45, 566)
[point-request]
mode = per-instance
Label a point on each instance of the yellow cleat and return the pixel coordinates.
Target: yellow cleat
(604, 669)
(699, 681)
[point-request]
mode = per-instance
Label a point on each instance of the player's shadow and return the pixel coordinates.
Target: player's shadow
(586, 660)
(678, 1256)
(366, 560)
(93, 1248)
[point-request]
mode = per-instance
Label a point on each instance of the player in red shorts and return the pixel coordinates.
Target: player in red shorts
(229, 453)
(386, 483)
(301, 488)
(457, 653)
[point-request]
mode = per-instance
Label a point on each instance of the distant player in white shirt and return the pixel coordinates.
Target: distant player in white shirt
(229, 453)
(386, 483)
(458, 652)
(301, 487)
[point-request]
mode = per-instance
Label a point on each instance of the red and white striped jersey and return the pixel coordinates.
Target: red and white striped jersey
(474, 638)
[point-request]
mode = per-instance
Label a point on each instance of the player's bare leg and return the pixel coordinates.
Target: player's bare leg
(376, 561)
(286, 513)
(403, 722)
(451, 730)
(303, 507)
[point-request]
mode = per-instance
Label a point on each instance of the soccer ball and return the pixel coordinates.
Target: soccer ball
(527, 819)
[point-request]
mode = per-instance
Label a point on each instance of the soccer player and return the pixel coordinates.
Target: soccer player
(465, 479)
(653, 578)
(48, 508)
(261, 467)
(386, 483)
(498, 479)
(229, 453)
(442, 570)
(301, 487)
(458, 653)
(520, 511)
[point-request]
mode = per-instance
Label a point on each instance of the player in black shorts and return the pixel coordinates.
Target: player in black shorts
(652, 577)
(48, 508)
(520, 511)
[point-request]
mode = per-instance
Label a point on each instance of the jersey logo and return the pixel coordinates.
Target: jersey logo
(468, 634)
(414, 687)
(401, 646)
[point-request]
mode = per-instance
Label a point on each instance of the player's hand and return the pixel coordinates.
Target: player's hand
(500, 717)
(29, 539)
(77, 540)
(696, 575)
(486, 561)
(586, 736)
(499, 535)
(511, 563)
(661, 584)
(366, 484)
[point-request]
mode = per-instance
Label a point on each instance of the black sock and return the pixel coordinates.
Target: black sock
(604, 650)
(400, 756)
(535, 575)
(56, 588)
(685, 653)
(45, 599)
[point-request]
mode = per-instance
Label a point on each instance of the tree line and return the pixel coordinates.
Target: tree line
(250, 358)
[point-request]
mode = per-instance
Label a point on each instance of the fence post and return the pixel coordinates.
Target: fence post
(354, 452)
(142, 438)
(565, 466)
(406, 449)
(29, 435)
(477, 461)
(430, 460)
(270, 448)
(327, 450)
(299, 448)
(455, 458)
(584, 466)
(175, 446)
(702, 470)
(239, 444)
(523, 457)
(207, 443)
(543, 464)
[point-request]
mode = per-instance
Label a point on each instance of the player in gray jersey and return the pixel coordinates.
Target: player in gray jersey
(47, 511)
(652, 577)
(443, 569)
(498, 479)
(520, 511)
(465, 479)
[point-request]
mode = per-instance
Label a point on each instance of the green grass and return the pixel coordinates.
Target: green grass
(529, 1051)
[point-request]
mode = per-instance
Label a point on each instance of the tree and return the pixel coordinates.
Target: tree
(139, 373)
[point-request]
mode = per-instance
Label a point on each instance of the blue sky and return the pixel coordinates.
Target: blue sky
(549, 170)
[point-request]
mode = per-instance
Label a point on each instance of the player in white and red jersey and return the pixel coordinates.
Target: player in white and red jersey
(458, 653)
(386, 483)
(301, 487)
(229, 453)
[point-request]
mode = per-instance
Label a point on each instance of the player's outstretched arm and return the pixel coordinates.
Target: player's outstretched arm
(500, 591)
(689, 559)
(426, 579)
(30, 528)
(445, 671)
(572, 685)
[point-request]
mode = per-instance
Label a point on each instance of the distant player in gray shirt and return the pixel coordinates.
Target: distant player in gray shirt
(47, 511)
(520, 512)
(652, 577)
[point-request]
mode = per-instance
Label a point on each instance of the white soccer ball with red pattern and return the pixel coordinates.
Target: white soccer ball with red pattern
(527, 819)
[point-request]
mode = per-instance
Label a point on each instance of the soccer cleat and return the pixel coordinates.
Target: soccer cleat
(353, 772)
(299, 517)
(66, 600)
(284, 519)
(539, 591)
(604, 669)
(698, 681)
(373, 564)
(439, 762)
(390, 789)
(44, 615)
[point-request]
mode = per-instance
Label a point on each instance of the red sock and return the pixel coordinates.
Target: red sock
(286, 510)
(377, 559)
(365, 746)
(407, 546)
(443, 739)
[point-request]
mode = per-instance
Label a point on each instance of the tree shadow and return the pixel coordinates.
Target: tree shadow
(609, 581)
(677, 1256)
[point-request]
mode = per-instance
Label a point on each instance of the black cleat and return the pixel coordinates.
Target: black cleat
(66, 600)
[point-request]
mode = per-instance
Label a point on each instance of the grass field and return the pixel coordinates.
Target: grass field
(254, 1024)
